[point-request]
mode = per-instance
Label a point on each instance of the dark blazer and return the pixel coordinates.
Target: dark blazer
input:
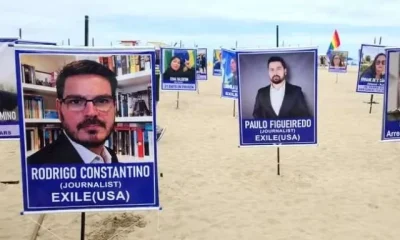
(293, 106)
(189, 73)
(61, 151)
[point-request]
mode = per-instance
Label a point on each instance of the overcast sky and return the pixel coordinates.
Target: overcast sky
(208, 23)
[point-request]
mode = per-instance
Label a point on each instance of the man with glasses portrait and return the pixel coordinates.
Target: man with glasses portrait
(86, 104)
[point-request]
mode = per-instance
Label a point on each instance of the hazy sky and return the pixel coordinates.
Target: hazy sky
(208, 23)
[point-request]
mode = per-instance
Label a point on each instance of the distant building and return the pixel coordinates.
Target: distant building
(130, 42)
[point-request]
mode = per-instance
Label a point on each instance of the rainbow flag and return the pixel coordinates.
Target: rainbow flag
(335, 43)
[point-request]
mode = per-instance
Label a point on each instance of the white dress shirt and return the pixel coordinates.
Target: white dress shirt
(276, 97)
(88, 156)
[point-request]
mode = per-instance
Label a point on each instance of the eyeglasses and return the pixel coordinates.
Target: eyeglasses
(378, 62)
(77, 104)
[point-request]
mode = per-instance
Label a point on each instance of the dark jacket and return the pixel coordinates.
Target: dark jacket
(61, 151)
(293, 105)
(190, 74)
(8, 101)
(370, 74)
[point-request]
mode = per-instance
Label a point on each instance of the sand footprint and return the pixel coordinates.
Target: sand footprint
(371, 205)
(273, 221)
(120, 224)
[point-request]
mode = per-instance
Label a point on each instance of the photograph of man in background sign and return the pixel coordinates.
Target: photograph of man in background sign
(279, 99)
(87, 108)
(232, 78)
(217, 58)
(201, 61)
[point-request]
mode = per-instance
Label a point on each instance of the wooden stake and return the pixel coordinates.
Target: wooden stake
(37, 227)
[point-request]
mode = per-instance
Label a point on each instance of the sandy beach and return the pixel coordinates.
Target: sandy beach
(346, 188)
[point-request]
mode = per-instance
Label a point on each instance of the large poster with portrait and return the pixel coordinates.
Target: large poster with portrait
(87, 128)
(178, 69)
(338, 61)
(229, 74)
(278, 97)
(8, 92)
(217, 61)
(9, 116)
(391, 106)
(201, 64)
(371, 71)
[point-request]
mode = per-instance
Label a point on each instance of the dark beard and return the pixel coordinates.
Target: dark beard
(277, 79)
(88, 143)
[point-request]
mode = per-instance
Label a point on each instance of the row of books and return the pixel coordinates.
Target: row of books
(34, 108)
(32, 76)
(127, 140)
(120, 64)
(132, 139)
(125, 64)
(133, 104)
(37, 137)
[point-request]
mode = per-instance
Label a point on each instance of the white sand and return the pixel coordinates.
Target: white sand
(346, 188)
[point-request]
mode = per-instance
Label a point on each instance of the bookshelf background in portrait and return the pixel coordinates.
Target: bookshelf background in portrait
(132, 138)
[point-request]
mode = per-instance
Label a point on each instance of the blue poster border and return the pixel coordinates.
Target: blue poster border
(388, 51)
(280, 50)
(25, 181)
